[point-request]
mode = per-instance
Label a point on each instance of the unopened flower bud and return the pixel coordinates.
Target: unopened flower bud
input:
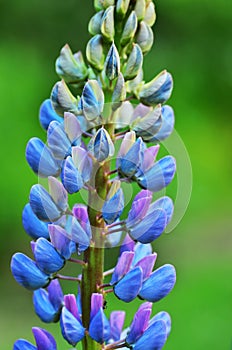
(158, 90)
(102, 4)
(129, 29)
(134, 63)
(112, 64)
(71, 67)
(119, 93)
(63, 100)
(145, 37)
(150, 15)
(107, 24)
(94, 52)
(94, 26)
(134, 85)
(140, 8)
(92, 100)
(103, 146)
(122, 6)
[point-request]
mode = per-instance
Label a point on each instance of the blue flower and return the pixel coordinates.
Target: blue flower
(153, 338)
(48, 304)
(129, 286)
(159, 284)
(47, 114)
(99, 328)
(49, 206)
(44, 341)
(32, 225)
(71, 327)
(158, 90)
(92, 100)
(159, 175)
(41, 159)
(47, 257)
(27, 273)
(101, 146)
(114, 203)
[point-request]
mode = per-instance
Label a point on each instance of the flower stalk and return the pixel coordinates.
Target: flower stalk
(82, 128)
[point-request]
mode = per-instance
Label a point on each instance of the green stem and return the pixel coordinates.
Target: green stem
(92, 275)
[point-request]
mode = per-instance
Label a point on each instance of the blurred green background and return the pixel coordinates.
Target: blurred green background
(193, 41)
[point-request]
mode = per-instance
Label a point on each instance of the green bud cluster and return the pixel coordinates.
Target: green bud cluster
(121, 36)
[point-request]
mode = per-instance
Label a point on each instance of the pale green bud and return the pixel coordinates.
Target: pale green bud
(112, 64)
(122, 6)
(133, 86)
(158, 90)
(71, 67)
(140, 8)
(94, 52)
(103, 4)
(145, 37)
(150, 15)
(134, 63)
(107, 24)
(119, 93)
(129, 29)
(63, 100)
(94, 26)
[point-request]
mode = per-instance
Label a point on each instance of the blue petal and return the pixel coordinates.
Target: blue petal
(99, 328)
(165, 317)
(71, 177)
(47, 114)
(71, 328)
(131, 162)
(167, 125)
(159, 175)
(22, 344)
(43, 307)
(151, 227)
(47, 257)
(166, 204)
(113, 207)
(153, 338)
(40, 158)
(92, 100)
(43, 205)
(159, 284)
(58, 141)
(129, 286)
(101, 146)
(32, 225)
(26, 272)
(44, 340)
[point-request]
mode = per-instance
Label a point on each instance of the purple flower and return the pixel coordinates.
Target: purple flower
(99, 328)
(71, 327)
(44, 341)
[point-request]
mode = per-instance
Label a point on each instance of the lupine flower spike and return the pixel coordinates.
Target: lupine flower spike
(97, 141)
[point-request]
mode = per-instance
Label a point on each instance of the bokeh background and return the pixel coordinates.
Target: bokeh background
(193, 41)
